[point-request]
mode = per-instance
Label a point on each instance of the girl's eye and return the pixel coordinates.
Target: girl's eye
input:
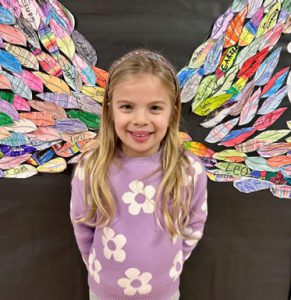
(156, 108)
(125, 106)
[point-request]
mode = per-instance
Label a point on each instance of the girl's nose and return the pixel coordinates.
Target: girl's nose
(140, 118)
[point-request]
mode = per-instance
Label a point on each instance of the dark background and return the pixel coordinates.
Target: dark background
(245, 253)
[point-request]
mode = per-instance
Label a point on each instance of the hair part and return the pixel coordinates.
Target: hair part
(175, 201)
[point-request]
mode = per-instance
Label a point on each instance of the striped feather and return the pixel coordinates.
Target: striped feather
(85, 103)
(26, 58)
(273, 101)
(19, 87)
(53, 83)
(270, 19)
(15, 139)
(210, 104)
(224, 83)
(183, 75)
(85, 50)
(30, 12)
(248, 51)
(242, 98)
(271, 37)
(267, 67)
(44, 134)
(22, 126)
(9, 110)
(274, 149)
(70, 74)
(48, 63)
(94, 92)
(32, 81)
(5, 83)
(190, 87)
(221, 24)
(61, 99)
(49, 41)
(250, 29)
(12, 35)
(220, 131)
(39, 118)
(6, 17)
(237, 136)
(199, 55)
(20, 103)
(64, 41)
(218, 116)
(251, 65)
(213, 57)
(267, 120)
(87, 74)
(55, 110)
(27, 30)
(63, 16)
(227, 60)
(275, 83)
(250, 107)
(13, 7)
(205, 88)
(234, 28)
(238, 5)
(253, 7)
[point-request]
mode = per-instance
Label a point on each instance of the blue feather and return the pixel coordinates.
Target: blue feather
(10, 62)
(6, 17)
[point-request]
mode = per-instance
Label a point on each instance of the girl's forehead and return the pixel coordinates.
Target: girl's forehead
(143, 83)
(136, 79)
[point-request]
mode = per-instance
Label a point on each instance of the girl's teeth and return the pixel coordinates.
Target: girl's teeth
(139, 135)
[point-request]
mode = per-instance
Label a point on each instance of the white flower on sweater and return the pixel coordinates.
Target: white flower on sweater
(135, 282)
(140, 198)
(197, 166)
(195, 236)
(80, 173)
(94, 266)
(177, 266)
(187, 178)
(113, 244)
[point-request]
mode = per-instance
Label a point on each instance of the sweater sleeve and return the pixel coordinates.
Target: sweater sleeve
(198, 213)
(84, 234)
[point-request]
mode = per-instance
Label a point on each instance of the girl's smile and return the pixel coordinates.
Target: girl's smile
(141, 110)
(140, 136)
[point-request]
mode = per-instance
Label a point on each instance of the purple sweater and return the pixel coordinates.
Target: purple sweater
(134, 257)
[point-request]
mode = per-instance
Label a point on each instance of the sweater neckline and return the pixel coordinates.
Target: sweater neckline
(152, 158)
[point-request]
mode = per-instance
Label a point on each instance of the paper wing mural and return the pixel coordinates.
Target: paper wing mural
(50, 89)
(51, 93)
(233, 84)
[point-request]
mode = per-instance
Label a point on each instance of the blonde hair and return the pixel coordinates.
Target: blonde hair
(176, 195)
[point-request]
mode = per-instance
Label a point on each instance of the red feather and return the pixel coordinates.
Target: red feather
(252, 64)
(271, 82)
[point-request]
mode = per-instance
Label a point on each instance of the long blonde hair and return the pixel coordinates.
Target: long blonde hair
(176, 195)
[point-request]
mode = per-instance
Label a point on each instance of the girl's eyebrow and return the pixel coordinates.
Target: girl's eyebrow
(128, 101)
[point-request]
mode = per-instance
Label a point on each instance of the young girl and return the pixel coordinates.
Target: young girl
(138, 202)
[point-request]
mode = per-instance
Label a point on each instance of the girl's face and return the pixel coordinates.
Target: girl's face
(141, 110)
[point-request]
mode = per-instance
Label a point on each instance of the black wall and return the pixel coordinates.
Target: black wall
(245, 253)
